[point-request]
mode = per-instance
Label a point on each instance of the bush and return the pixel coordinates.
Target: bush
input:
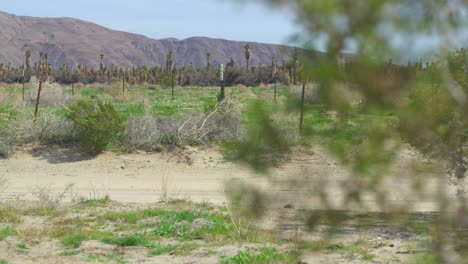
(97, 125)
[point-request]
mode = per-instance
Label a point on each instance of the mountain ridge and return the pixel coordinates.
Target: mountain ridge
(76, 41)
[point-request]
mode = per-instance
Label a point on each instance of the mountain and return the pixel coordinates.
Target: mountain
(74, 41)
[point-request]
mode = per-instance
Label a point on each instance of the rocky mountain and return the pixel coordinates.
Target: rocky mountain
(74, 41)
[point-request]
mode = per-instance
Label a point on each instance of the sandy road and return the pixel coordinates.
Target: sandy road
(198, 175)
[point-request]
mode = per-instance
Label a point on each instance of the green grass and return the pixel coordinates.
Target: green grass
(2, 261)
(73, 240)
(180, 225)
(357, 248)
(6, 232)
(159, 249)
(158, 103)
(130, 217)
(22, 246)
(128, 241)
(426, 258)
(7, 112)
(184, 249)
(260, 256)
(94, 203)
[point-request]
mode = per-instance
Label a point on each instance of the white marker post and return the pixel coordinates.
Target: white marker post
(221, 75)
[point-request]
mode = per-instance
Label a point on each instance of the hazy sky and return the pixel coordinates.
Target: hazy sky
(169, 18)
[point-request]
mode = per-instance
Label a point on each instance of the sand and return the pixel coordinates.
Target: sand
(197, 174)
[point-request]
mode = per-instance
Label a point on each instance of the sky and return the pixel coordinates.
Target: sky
(179, 19)
(226, 19)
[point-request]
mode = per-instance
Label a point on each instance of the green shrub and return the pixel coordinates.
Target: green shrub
(73, 240)
(6, 232)
(97, 124)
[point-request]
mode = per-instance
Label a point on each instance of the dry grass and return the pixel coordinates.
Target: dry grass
(52, 94)
(115, 91)
(149, 133)
(48, 127)
(10, 214)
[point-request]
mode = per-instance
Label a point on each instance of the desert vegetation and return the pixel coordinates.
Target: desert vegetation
(361, 113)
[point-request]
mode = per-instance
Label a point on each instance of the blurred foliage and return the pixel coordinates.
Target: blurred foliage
(425, 105)
(264, 145)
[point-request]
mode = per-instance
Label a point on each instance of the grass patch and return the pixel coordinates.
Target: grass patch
(260, 256)
(162, 249)
(131, 218)
(128, 241)
(185, 249)
(357, 248)
(94, 203)
(73, 240)
(43, 211)
(22, 246)
(6, 232)
(2, 261)
(426, 258)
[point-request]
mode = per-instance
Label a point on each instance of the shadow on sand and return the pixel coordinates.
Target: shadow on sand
(56, 154)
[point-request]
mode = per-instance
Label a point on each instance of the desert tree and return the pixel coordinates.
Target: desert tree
(247, 55)
(28, 59)
(169, 61)
(230, 64)
(208, 60)
(101, 64)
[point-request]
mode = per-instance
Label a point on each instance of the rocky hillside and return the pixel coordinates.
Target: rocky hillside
(74, 41)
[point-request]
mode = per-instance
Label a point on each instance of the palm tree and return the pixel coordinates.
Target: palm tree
(230, 64)
(101, 65)
(169, 61)
(208, 57)
(247, 54)
(28, 59)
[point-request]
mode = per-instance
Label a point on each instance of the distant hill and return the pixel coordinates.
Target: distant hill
(74, 41)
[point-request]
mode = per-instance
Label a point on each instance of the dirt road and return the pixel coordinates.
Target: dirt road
(195, 174)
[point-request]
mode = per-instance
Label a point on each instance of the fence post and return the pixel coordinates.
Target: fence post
(123, 80)
(38, 97)
(23, 84)
(172, 82)
(276, 80)
(221, 76)
(301, 125)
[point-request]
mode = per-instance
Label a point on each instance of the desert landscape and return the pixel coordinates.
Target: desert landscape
(73, 194)
(162, 132)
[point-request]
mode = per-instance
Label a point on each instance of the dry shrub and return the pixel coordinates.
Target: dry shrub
(47, 199)
(79, 85)
(149, 133)
(49, 128)
(52, 94)
(310, 94)
(115, 90)
(10, 213)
